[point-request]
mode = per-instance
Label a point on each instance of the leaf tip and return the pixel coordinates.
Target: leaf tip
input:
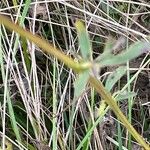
(79, 25)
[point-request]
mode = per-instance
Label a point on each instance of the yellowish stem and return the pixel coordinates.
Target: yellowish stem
(113, 105)
(47, 47)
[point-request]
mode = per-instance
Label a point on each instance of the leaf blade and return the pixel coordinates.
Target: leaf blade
(114, 77)
(134, 51)
(84, 41)
(80, 83)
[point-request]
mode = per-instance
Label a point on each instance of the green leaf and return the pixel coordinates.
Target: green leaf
(114, 77)
(80, 83)
(124, 96)
(84, 41)
(134, 51)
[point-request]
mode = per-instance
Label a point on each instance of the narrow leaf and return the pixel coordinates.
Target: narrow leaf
(84, 41)
(80, 83)
(134, 51)
(114, 77)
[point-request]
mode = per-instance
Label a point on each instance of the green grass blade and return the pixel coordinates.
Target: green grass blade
(79, 86)
(54, 130)
(25, 54)
(21, 23)
(90, 131)
(7, 95)
(13, 119)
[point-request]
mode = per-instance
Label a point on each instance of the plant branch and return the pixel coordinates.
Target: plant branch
(46, 47)
(113, 105)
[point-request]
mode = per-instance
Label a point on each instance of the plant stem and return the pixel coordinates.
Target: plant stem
(113, 105)
(47, 47)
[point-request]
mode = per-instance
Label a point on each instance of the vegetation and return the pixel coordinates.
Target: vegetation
(62, 93)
